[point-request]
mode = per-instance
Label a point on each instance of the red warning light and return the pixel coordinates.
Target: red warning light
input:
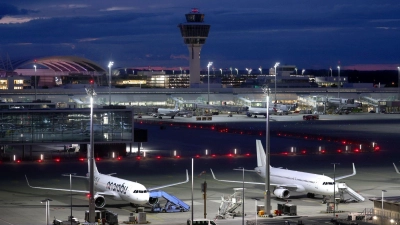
(230, 154)
(323, 151)
(197, 156)
(376, 148)
(119, 158)
(304, 151)
(213, 155)
(178, 156)
(88, 195)
(158, 157)
(40, 160)
(81, 159)
(344, 142)
(57, 160)
(97, 159)
(138, 158)
(356, 150)
(339, 151)
(284, 153)
(248, 154)
(212, 128)
(18, 161)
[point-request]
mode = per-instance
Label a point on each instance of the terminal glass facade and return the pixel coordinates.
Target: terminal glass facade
(65, 126)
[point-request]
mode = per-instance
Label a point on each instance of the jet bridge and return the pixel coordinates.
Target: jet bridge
(343, 188)
(173, 204)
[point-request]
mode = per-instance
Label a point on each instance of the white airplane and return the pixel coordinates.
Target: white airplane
(285, 180)
(117, 189)
(167, 112)
(255, 111)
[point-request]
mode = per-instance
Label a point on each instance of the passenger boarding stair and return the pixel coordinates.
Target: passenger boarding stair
(343, 188)
(229, 204)
(171, 200)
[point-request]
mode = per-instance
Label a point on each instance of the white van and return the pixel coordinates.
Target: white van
(201, 222)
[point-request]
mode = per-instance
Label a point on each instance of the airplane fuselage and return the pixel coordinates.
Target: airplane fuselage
(304, 182)
(121, 189)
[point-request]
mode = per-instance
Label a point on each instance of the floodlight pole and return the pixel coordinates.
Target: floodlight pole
(208, 93)
(398, 83)
(276, 65)
(334, 188)
(338, 95)
(90, 91)
(267, 197)
(35, 81)
(110, 64)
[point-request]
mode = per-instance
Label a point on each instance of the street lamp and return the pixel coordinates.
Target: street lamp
(180, 69)
(110, 64)
(35, 80)
(331, 70)
(276, 65)
(302, 71)
(334, 188)
(242, 195)
(70, 187)
(221, 71)
(90, 91)
(296, 70)
(237, 71)
(267, 198)
(398, 83)
(208, 68)
(338, 95)
(230, 69)
(260, 69)
(382, 201)
(47, 202)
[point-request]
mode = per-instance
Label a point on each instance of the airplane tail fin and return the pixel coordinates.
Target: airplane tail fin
(176, 105)
(94, 166)
(261, 158)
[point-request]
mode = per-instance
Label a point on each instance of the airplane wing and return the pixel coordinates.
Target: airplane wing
(69, 190)
(342, 177)
(246, 170)
(246, 182)
(397, 171)
(169, 185)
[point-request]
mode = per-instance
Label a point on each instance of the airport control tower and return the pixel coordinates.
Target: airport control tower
(194, 33)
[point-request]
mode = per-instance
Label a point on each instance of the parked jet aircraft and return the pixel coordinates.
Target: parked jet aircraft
(255, 111)
(117, 189)
(285, 180)
(167, 112)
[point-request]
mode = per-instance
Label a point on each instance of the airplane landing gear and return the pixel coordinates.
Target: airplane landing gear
(310, 195)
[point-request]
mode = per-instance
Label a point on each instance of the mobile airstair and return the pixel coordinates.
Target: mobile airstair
(343, 188)
(230, 203)
(173, 204)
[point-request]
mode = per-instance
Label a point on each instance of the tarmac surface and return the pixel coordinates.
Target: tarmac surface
(20, 204)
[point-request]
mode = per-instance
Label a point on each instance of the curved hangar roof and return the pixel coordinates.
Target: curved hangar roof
(71, 64)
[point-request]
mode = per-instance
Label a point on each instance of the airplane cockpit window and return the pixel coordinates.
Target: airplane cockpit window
(328, 183)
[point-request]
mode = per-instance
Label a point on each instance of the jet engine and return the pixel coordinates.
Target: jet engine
(99, 201)
(282, 193)
(153, 201)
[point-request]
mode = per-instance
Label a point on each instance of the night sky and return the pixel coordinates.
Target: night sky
(311, 34)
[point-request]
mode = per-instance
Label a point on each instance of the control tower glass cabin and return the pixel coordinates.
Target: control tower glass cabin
(194, 33)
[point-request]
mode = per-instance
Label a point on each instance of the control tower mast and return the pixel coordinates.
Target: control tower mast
(194, 33)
